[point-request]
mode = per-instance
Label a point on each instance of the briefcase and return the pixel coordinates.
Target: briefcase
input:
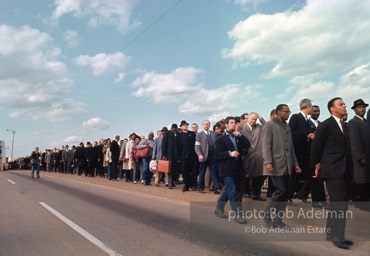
(164, 166)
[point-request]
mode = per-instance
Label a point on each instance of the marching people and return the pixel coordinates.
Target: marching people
(357, 135)
(279, 163)
(253, 159)
(205, 150)
(302, 131)
(35, 162)
(331, 156)
(228, 149)
(188, 157)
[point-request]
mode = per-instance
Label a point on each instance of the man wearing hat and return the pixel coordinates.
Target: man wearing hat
(357, 133)
(188, 157)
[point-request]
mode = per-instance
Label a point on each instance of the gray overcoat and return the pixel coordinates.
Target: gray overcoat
(357, 134)
(277, 148)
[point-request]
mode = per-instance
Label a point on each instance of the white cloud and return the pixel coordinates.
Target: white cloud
(119, 77)
(249, 4)
(65, 110)
(102, 63)
(99, 12)
(305, 87)
(226, 98)
(323, 37)
(355, 84)
(182, 87)
(96, 124)
(32, 78)
(168, 88)
(72, 38)
(74, 139)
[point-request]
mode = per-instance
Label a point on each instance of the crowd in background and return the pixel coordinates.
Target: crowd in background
(193, 162)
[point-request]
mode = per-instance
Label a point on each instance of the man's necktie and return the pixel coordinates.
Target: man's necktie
(343, 126)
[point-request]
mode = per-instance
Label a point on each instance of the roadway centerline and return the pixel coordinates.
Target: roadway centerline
(81, 231)
(11, 181)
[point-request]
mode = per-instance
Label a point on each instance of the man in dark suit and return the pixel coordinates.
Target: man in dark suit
(188, 157)
(170, 151)
(114, 149)
(317, 184)
(228, 151)
(367, 143)
(331, 156)
(302, 134)
(357, 134)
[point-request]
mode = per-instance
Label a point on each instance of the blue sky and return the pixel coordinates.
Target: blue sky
(80, 70)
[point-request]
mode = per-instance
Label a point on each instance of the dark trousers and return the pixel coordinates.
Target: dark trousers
(294, 184)
(211, 163)
(188, 170)
(279, 197)
(173, 176)
(241, 183)
(256, 185)
(338, 190)
(362, 192)
(316, 187)
(114, 170)
(270, 188)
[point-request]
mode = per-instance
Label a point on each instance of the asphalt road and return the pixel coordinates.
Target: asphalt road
(58, 216)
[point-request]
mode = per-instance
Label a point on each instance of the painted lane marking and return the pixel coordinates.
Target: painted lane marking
(81, 231)
(11, 181)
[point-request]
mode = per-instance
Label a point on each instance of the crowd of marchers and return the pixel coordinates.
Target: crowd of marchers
(297, 154)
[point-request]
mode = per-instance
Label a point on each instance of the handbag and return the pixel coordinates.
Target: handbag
(142, 152)
(164, 166)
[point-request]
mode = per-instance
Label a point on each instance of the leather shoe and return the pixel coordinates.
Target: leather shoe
(340, 243)
(331, 239)
(240, 220)
(217, 192)
(201, 191)
(185, 189)
(268, 222)
(258, 198)
(220, 213)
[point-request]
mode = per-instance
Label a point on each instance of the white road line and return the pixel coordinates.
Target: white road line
(11, 181)
(81, 231)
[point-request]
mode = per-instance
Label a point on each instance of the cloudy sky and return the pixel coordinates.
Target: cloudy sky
(79, 70)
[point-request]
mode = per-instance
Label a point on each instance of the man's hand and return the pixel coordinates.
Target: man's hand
(236, 133)
(269, 167)
(317, 171)
(201, 158)
(310, 136)
(234, 154)
(297, 169)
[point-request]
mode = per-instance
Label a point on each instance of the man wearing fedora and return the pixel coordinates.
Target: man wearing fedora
(357, 133)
